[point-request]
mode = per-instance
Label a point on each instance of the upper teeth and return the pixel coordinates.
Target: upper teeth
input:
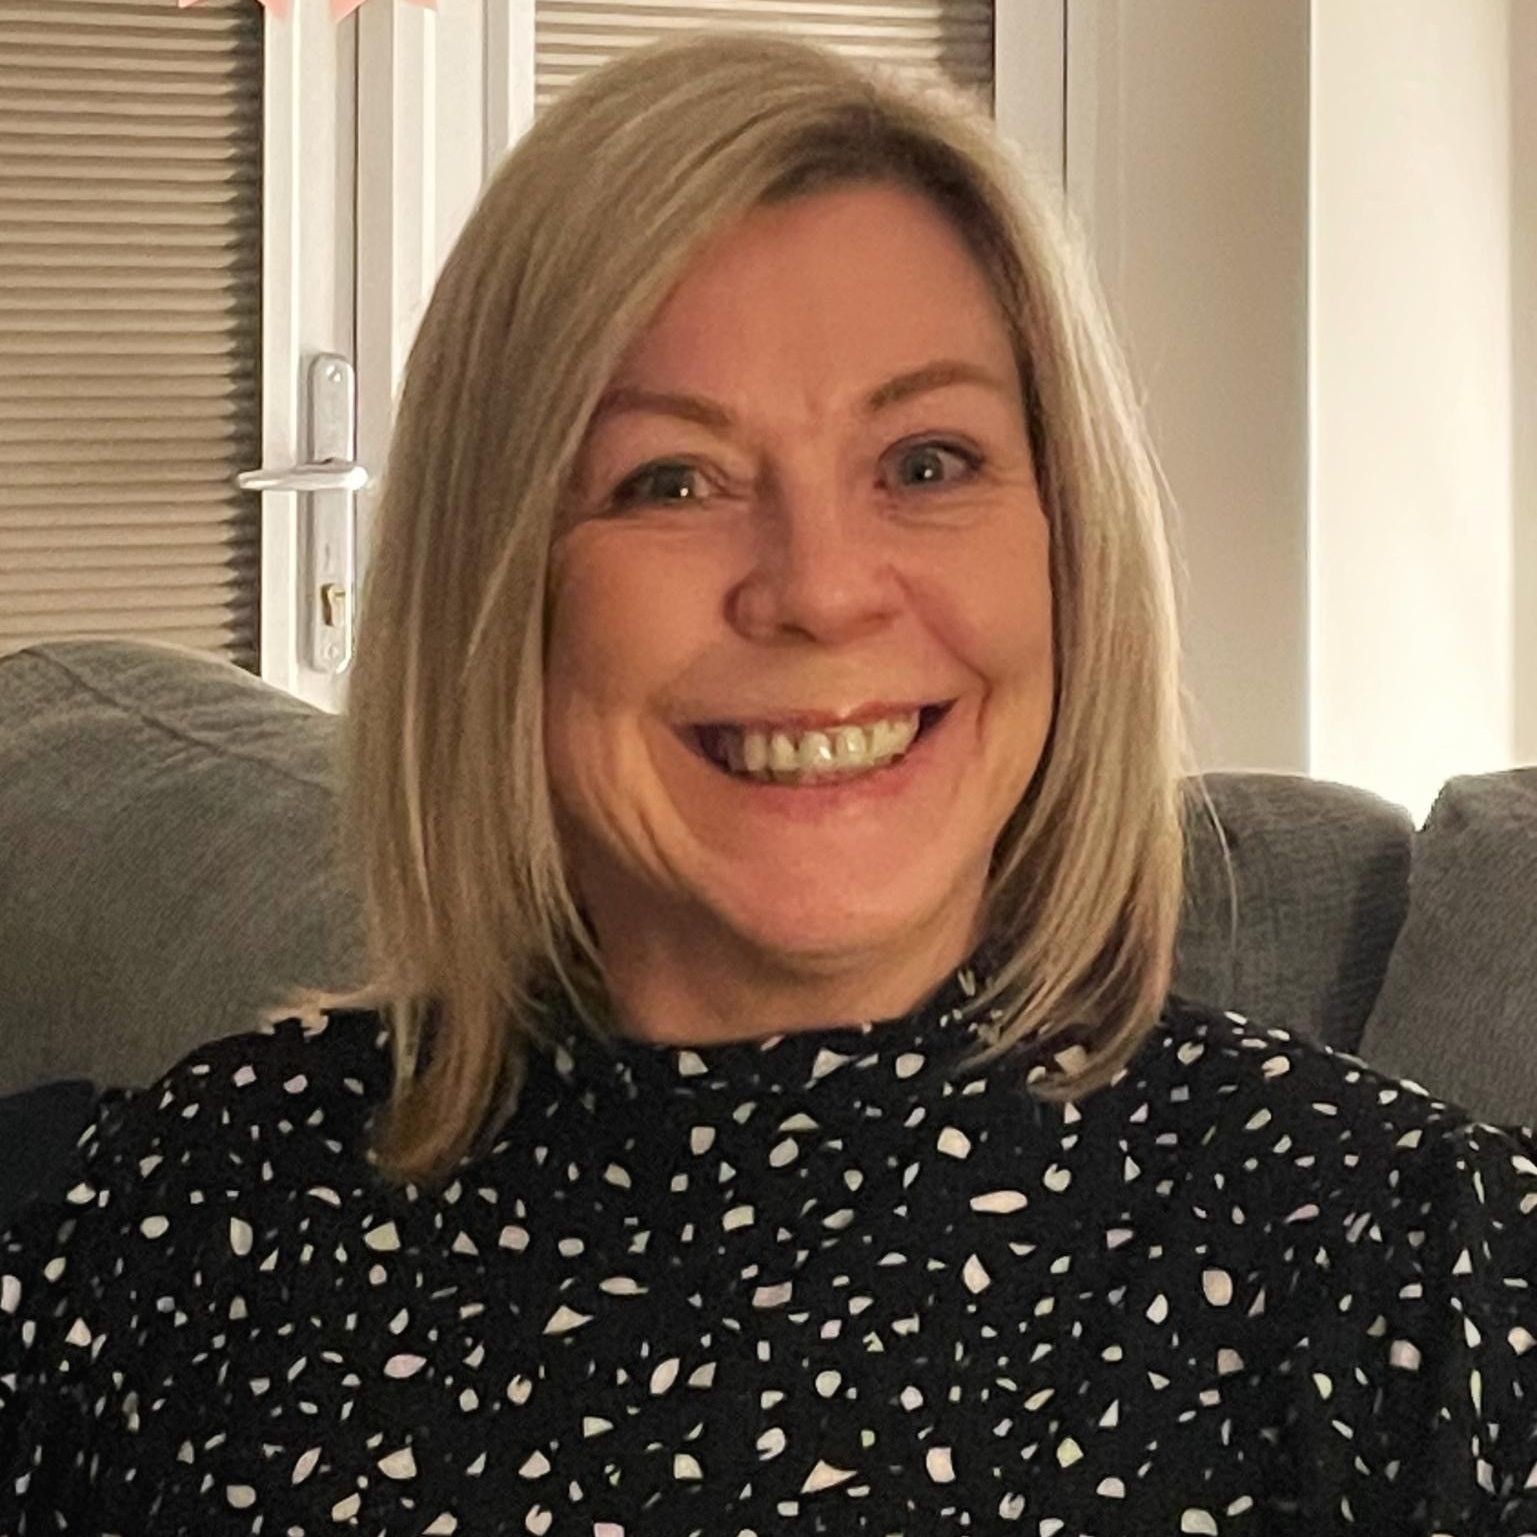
(755, 751)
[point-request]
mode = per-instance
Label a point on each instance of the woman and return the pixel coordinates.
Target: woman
(765, 775)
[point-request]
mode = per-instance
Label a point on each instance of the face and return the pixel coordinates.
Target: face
(806, 501)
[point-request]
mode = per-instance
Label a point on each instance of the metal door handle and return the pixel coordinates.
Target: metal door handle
(323, 475)
(328, 545)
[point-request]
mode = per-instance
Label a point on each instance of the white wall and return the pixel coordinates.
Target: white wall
(1411, 527)
(1303, 218)
(1187, 158)
(1523, 289)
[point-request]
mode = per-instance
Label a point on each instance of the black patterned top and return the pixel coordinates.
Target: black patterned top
(820, 1283)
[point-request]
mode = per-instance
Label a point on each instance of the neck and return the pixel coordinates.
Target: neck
(698, 985)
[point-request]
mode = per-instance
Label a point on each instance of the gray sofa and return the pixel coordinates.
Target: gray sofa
(168, 868)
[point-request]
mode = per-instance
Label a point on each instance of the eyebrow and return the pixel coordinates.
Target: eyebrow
(709, 413)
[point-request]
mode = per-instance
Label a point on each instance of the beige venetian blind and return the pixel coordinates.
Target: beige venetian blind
(953, 38)
(130, 266)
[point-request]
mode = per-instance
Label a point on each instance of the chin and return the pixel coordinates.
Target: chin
(817, 928)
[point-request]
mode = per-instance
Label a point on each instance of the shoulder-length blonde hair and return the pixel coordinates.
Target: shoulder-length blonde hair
(587, 224)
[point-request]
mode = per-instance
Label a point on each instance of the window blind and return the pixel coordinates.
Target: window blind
(950, 38)
(130, 327)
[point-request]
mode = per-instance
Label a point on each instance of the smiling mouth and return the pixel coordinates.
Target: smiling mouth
(817, 755)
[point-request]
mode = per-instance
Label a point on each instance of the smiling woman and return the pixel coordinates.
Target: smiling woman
(817, 425)
(767, 1111)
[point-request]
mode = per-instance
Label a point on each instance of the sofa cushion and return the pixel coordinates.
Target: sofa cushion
(168, 861)
(1458, 1007)
(1321, 874)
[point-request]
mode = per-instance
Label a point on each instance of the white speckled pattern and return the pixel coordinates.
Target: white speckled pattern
(819, 1284)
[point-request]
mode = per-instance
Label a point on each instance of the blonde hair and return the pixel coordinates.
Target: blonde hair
(471, 926)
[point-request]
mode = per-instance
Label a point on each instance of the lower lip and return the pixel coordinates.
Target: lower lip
(808, 802)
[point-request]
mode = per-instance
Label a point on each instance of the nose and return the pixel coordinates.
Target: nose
(821, 565)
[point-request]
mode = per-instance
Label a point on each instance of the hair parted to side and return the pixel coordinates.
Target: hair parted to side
(470, 922)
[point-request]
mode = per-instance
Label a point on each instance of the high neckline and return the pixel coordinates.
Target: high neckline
(907, 1054)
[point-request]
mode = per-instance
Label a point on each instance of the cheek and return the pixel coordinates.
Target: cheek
(589, 677)
(619, 637)
(596, 614)
(1024, 630)
(997, 616)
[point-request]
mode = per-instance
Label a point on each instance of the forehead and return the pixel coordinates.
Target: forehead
(842, 285)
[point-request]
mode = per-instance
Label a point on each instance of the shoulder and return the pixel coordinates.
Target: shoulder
(166, 1173)
(1414, 1219)
(1367, 1185)
(1297, 1121)
(343, 1052)
(332, 1065)
(1228, 1055)
(180, 1215)
(281, 1090)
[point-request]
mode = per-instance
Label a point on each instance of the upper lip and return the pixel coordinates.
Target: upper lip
(818, 720)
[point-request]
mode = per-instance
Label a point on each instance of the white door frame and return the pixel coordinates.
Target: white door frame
(509, 75)
(396, 198)
(427, 132)
(1030, 79)
(308, 157)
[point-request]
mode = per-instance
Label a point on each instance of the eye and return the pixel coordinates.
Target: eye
(933, 463)
(664, 481)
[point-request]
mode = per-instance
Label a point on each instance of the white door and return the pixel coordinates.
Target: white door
(308, 483)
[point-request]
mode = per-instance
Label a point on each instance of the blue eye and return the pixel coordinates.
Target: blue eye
(665, 481)
(926, 464)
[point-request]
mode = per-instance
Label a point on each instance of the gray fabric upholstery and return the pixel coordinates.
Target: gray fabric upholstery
(1458, 1007)
(167, 857)
(1320, 872)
